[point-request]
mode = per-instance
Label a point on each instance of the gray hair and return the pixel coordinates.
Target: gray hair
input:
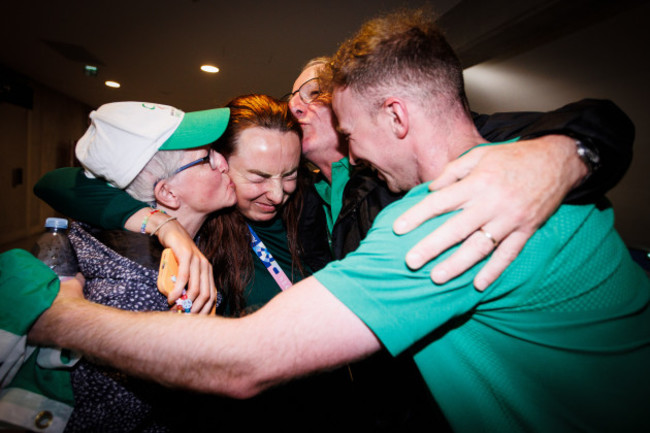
(317, 61)
(161, 166)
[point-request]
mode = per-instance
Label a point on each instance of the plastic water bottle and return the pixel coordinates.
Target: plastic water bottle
(53, 248)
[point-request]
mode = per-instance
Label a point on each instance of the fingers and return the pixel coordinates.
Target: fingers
(451, 232)
(457, 169)
(197, 272)
(207, 295)
(184, 257)
(434, 204)
(449, 193)
(211, 304)
(501, 258)
(505, 191)
(194, 283)
(475, 248)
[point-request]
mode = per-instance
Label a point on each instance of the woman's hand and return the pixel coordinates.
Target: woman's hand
(194, 269)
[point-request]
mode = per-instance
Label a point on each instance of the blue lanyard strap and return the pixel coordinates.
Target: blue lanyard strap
(269, 262)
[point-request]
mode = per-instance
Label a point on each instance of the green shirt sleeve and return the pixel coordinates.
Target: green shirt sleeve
(69, 191)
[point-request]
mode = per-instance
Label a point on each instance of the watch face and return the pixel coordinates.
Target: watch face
(587, 155)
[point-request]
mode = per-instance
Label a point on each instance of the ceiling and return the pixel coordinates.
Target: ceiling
(154, 47)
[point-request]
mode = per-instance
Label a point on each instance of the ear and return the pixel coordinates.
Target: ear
(397, 113)
(165, 195)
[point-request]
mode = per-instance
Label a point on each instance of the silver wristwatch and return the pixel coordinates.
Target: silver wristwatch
(588, 155)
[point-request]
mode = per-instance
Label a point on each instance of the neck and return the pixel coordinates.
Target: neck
(324, 160)
(190, 221)
(452, 137)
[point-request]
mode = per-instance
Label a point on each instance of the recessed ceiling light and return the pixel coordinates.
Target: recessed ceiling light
(209, 68)
(113, 84)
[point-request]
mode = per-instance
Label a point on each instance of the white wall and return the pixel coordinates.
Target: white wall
(607, 60)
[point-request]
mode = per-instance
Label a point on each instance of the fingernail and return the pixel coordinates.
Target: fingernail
(439, 276)
(399, 227)
(413, 260)
(481, 284)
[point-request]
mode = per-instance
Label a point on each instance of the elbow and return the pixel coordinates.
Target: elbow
(243, 385)
(244, 389)
(241, 388)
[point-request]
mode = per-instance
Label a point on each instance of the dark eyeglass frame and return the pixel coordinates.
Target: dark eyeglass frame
(206, 158)
(307, 99)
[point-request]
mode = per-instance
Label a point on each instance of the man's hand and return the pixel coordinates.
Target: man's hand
(70, 290)
(505, 192)
(194, 270)
(72, 287)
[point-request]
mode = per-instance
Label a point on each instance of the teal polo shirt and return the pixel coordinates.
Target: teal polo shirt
(560, 342)
(332, 194)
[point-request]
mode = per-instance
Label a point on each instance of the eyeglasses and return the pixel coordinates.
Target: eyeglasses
(308, 91)
(211, 157)
(214, 163)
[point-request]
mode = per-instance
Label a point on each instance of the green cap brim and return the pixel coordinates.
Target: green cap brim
(198, 128)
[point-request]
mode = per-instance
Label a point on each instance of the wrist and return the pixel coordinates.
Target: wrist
(151, 220)
(166, 226)
(574, 169)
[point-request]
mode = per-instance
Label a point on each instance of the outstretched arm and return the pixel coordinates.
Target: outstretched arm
(302, 330)
(69, 191)
(508, 191)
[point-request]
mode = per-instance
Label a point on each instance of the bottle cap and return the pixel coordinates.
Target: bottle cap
(56, 223)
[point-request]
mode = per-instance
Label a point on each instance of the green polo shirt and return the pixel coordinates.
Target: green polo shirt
(332, 194)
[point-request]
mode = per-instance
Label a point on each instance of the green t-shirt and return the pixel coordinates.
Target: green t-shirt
(560, 342)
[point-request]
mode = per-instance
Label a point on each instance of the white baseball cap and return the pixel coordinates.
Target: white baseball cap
(124, 136)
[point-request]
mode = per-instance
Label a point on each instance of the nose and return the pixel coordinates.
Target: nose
(296, 106)
(275, 191)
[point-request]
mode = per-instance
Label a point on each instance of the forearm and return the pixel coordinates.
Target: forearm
(598, 123)
(569, 166)
(301, 330)
(163, 347)
(92, 201)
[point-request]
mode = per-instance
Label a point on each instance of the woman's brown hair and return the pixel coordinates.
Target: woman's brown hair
(225, 238)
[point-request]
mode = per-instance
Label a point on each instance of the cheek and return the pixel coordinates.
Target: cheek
(246, 193)
(289, 187)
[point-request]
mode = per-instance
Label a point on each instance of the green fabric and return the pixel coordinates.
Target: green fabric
(263, 287)
(93, 201)
(30, 285)
(198, 128)
(560, 342)
(33, 392)
(51, 383)
(332, 194)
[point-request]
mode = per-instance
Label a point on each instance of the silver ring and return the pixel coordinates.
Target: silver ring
(489, 236)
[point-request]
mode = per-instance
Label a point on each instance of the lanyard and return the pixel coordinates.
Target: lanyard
(269, 262)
